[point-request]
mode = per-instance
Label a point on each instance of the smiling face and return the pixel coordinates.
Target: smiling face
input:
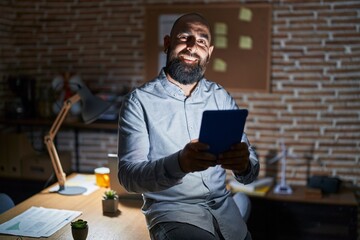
(188, 49)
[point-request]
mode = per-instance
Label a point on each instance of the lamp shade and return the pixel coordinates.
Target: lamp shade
(92, 106)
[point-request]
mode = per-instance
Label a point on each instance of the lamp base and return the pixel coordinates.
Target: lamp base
(72, 190)
(282, 189)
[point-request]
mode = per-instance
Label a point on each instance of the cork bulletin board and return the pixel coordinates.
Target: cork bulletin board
(241, 34)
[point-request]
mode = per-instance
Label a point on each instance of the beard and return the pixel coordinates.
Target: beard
(182, 72)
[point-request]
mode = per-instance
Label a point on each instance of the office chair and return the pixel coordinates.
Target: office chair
(5, 202)
(243, 203)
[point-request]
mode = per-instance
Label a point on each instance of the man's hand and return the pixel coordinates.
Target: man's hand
(194, 157)
(236, 159)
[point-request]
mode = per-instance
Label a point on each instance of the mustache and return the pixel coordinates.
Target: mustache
(189, 54)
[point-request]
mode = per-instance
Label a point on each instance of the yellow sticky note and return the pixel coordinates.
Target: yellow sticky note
(245, 14)
(245, 42)
(220, 42)
(220, 28)
(219, 65)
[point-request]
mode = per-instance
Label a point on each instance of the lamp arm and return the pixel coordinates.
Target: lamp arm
(62, 114)
(49, 139)
(59, 172)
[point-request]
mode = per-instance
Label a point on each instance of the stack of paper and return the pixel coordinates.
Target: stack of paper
(258, 187)
(84, 180)
(38, 222)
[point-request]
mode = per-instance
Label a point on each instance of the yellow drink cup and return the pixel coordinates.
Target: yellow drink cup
(102, 176)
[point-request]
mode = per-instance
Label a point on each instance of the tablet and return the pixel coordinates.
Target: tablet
(222, 128)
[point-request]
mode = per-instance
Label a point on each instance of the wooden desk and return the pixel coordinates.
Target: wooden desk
(343, 197)
(128, 223)
(297, 216)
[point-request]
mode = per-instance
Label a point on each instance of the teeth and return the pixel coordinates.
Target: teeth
(190, 58)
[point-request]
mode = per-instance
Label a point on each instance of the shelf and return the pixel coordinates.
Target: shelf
(99, 125)
(74, 125)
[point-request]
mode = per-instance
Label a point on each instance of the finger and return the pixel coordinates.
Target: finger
(204, 157)
(199, 146)
(233, 167)
(235, 155)
(193, 159)
(202, 164)
(238, 166)
(235, 160)
(241, 145)
(232, 161)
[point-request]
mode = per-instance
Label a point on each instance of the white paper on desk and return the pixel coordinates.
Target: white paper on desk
(38, 222)
(84, 180)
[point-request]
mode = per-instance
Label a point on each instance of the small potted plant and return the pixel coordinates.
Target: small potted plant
(79, 229)
(110, 201)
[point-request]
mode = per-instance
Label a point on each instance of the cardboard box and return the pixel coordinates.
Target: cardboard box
(13, 146)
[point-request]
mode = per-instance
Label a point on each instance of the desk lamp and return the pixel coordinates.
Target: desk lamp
(92, 108)
(282, 187)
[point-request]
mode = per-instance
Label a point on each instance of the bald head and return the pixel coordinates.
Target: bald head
(191, 18)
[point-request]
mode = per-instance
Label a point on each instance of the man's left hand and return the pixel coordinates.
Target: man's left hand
(236, 159)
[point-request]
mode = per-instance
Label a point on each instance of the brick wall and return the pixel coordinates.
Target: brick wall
(314, 103)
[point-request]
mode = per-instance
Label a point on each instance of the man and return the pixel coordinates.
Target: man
(183, 185)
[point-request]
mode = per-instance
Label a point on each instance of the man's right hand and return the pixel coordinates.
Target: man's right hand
(194, 157)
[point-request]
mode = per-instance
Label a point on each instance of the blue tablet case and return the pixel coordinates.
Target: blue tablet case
(222, 128)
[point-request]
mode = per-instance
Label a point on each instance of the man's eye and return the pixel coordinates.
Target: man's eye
(183, 38)
(202, 43)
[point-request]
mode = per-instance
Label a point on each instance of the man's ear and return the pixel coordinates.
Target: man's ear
(166, 43)
(211, 48)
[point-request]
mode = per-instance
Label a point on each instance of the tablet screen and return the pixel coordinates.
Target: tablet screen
(222, 128)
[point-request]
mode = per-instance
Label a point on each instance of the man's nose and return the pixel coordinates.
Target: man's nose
(191, 44)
